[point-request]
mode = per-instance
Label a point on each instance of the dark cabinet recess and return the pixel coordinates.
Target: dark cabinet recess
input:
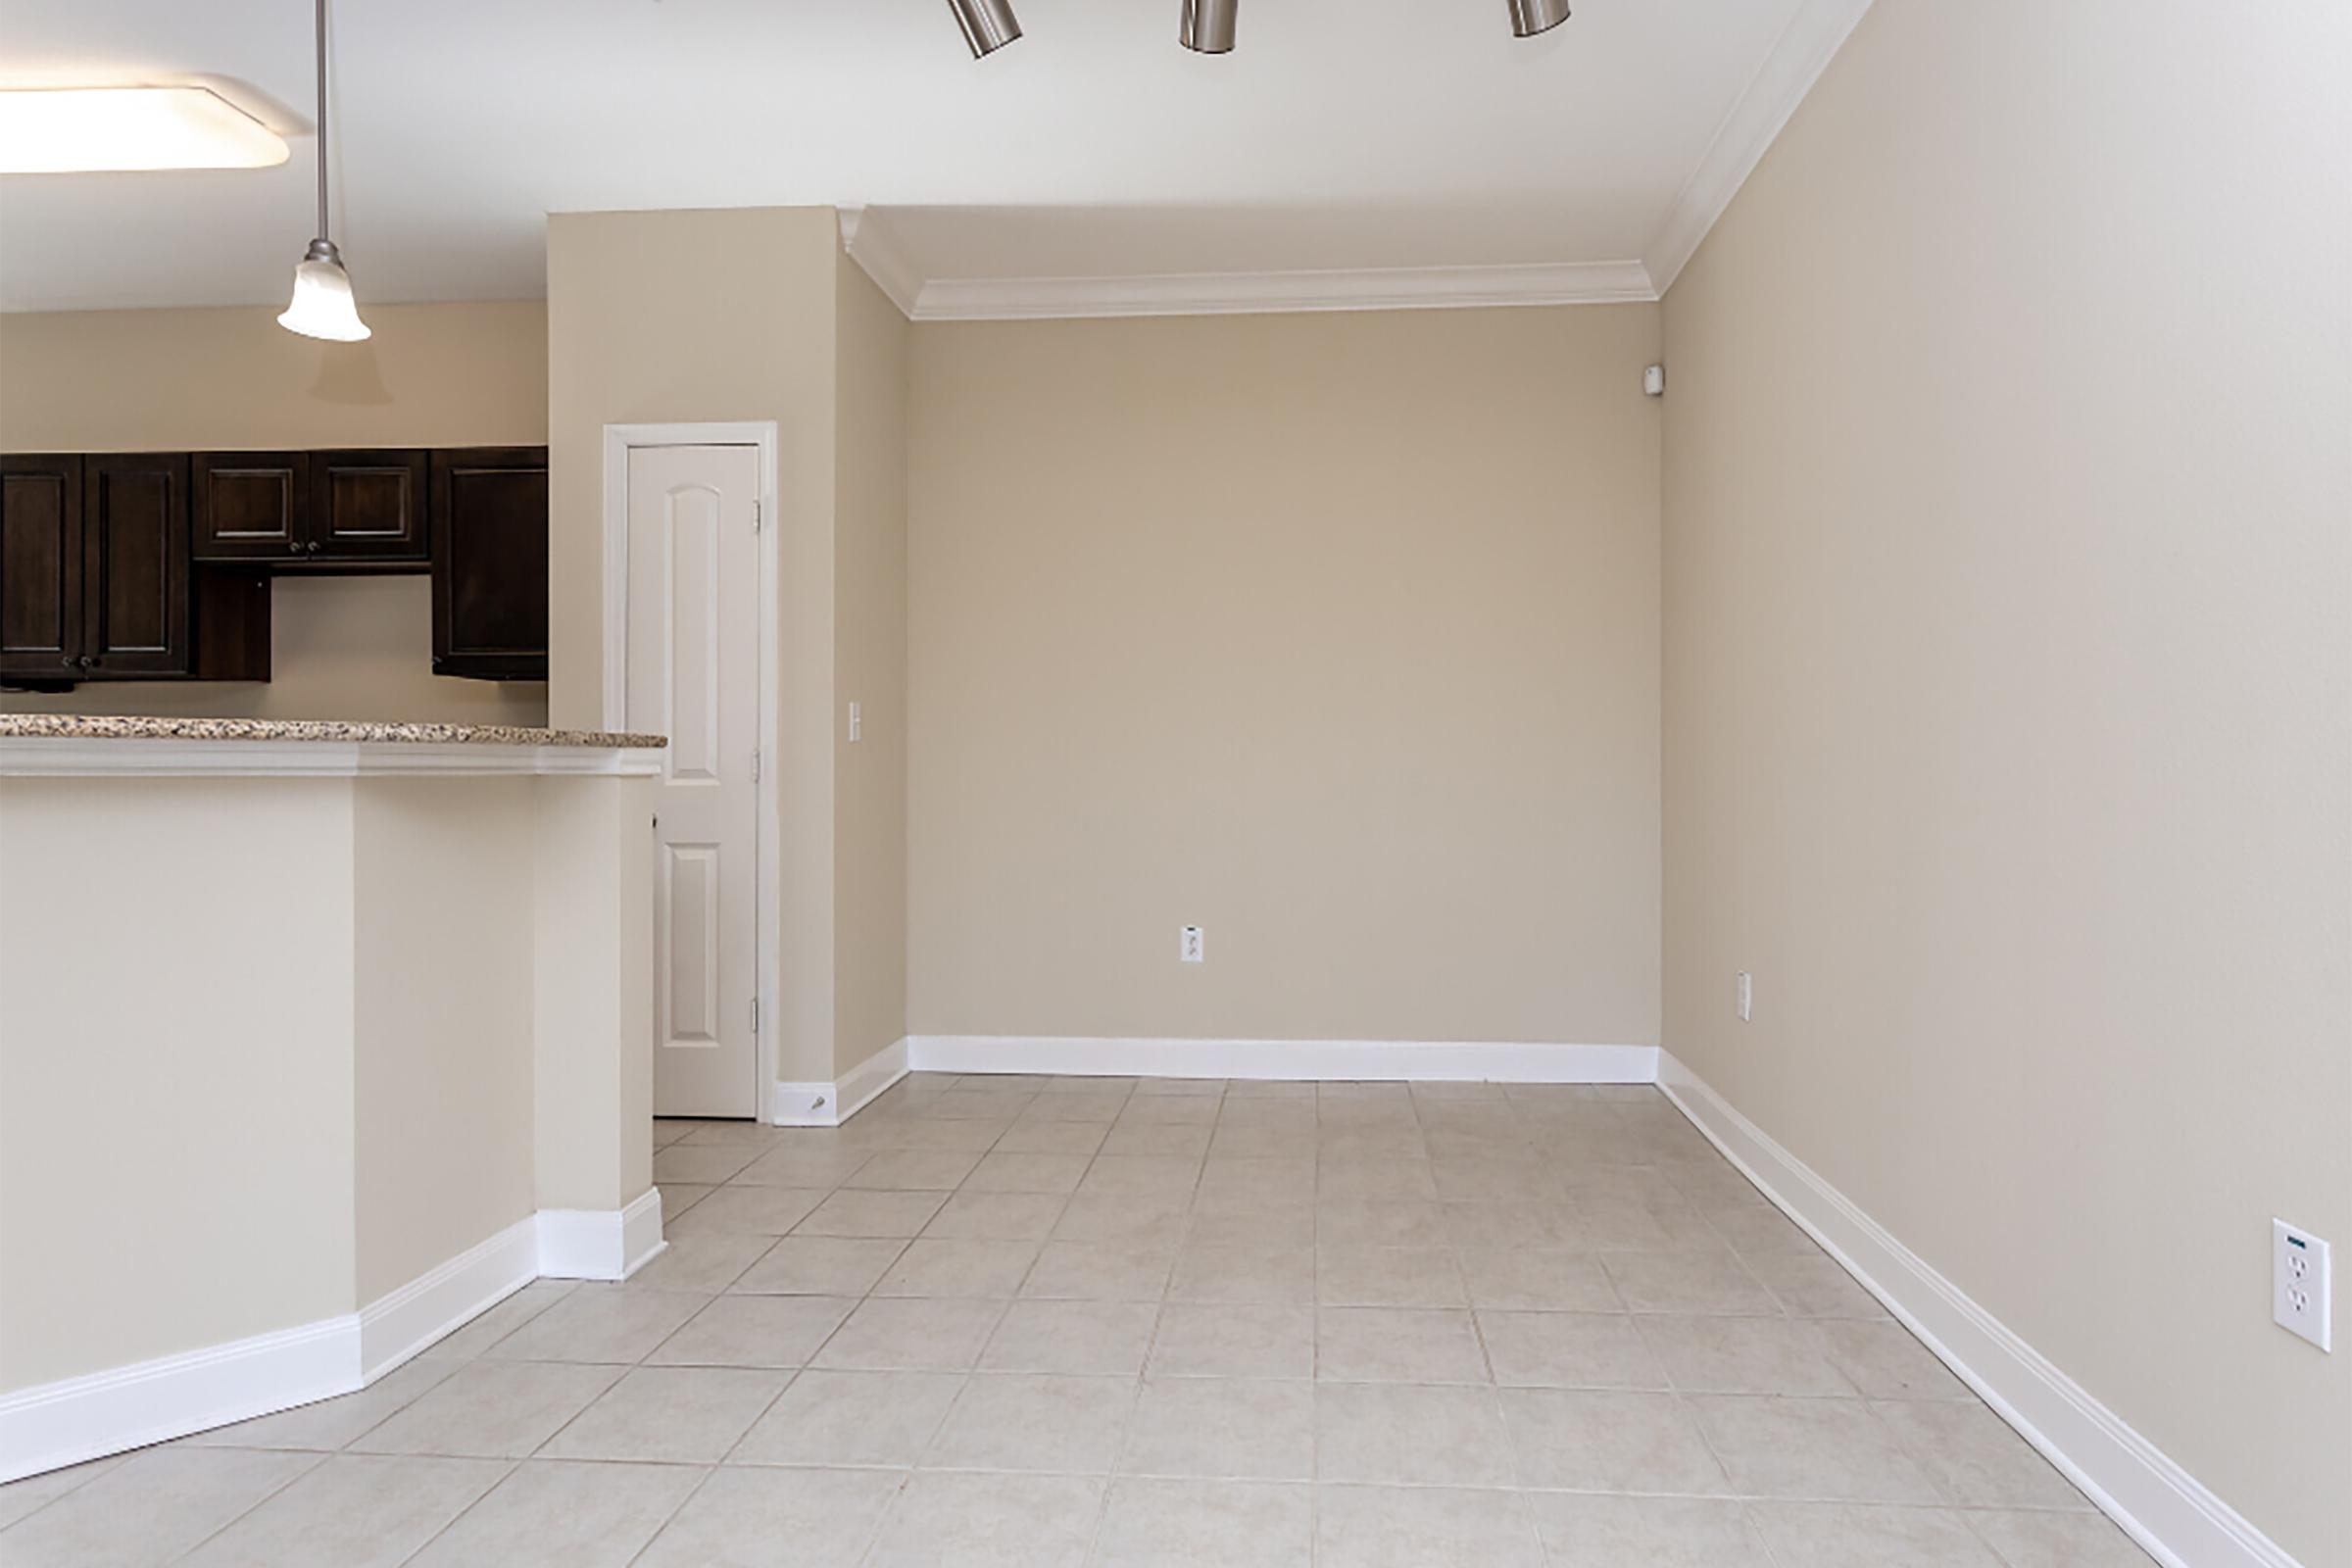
(367, 507)
(489, 554)
(96, 581)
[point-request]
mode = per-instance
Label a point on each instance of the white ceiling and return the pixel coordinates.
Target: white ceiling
(1345, 135)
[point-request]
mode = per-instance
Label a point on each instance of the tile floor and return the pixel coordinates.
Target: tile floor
(1105, 1324)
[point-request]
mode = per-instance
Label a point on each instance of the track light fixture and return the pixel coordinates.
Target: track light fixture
(1208, 27)
(988, 25)
(1531, 17)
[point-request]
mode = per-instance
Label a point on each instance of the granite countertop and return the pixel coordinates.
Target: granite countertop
(77, 726)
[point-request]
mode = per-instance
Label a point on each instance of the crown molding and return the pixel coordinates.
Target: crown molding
(870, 244)
(1015, 299)
(1796, 61)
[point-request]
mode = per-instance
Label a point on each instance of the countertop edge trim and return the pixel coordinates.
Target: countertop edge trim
(58, 757)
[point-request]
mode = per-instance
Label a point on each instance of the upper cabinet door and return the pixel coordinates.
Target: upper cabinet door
(489, 522)
(250, 505)
(367, 507)
(135, 579)
(40, 567)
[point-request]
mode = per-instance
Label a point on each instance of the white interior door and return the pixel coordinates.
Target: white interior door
(693, 674)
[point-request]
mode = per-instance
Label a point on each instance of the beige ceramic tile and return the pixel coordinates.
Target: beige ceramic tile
(1976, 1458)
(1599, 1530)
(1388, 1344)
(1059, 1425)
(1198, 1340)
(599, 1323)
(1410, 1434)
(820, 1265)
(1195, 1524)
(1850, 1535)
(955, 1266)
(1585, 1440)
(1744, 1355)
(1096, 1271)
(1568, 1351)
(564, 1514)
(1423, 1527)
(150, 1509)
(870, 1214)
(355, 1511)
(2058, 1541)
(851, 1418)
(679, 1414)
(948, 1520)
(913, 1335)
(1223, 1428)
(491, 1409)
(1100, 1337)
(744, 1519)
(1819, 1450)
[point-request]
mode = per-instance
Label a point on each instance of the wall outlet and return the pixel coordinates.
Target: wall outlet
(2299, 1296)
(1743, 994)
(1188, 947)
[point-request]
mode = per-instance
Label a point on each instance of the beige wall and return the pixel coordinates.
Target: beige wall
(1335, 635)
(2009, 692)
(228, 380)
(869, 778)
(443, 933)
(175, 1067)
(711, 315)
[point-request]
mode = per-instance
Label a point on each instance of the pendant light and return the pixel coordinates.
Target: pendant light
(1531, 17)
(988, 25)
(322, 305)
(1206, 26)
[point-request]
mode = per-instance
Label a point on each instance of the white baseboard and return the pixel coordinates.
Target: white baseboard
(600, 1244)
(63, 1423)
(58, 1424)
(397, 1326)
(829, 1105)
(1333, 1060)
(2173, 1516)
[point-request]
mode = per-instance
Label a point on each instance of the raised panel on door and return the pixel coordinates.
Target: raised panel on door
(692, 674)
(40, 567)
(367, 507)
(134, 520)
(250, 505)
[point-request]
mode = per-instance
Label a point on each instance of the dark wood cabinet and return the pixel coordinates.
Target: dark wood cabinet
(96, 581)
(334, 510)
(134, 572)
(40, 567)
(250, 505)
(489, 554)
(367, 507)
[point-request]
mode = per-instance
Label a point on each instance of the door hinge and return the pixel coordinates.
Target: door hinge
(757, 507)
(754, 1015)
(755, 764)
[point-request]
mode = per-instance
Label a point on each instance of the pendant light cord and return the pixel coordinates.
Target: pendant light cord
(321, 41)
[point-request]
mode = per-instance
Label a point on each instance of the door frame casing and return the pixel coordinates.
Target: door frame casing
(767, 814)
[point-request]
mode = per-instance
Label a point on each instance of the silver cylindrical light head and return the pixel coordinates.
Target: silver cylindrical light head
(988, 25)
(1208, 27)
(1531, 17)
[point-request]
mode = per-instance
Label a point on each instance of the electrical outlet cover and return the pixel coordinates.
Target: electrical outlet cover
(2300, 1301)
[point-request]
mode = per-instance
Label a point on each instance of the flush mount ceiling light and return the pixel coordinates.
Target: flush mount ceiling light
(322, 305)
(1531, 17)
(1208, 27)
(79, 130)
(988, 25)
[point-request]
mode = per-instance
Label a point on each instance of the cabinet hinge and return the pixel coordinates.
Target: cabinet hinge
(755, 764)
(754, 1015)
(758, 507)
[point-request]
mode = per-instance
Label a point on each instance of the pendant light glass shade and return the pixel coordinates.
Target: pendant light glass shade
(322, 305)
